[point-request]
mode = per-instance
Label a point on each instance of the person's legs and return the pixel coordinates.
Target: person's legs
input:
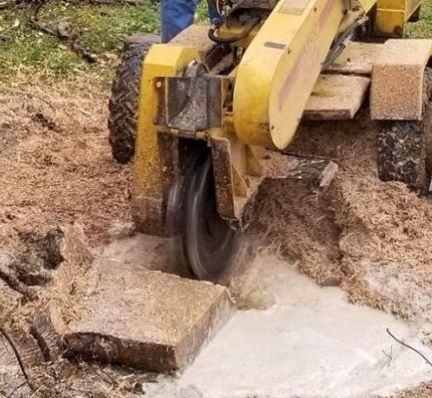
(214, 15)
(176, 15)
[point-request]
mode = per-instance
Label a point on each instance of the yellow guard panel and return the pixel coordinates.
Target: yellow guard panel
(161, 61)
(279, 69)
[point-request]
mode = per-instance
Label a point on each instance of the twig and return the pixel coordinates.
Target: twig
(409, 347)
(17, 356)
(62, 35)
(389, 356)
(34, 20)
(106, 377)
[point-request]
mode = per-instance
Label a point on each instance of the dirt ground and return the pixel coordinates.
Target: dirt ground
(56, 170)
(369, 237)
(55, 161)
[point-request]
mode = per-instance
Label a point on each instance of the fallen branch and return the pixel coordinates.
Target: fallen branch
(62, 34)
(409, 347)
(18, 357)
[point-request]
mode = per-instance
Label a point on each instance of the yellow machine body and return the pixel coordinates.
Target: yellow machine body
(391, 15)
(150, 178)
(280, 68)
(281, 62)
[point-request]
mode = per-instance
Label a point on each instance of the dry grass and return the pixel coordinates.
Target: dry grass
(55, 158)
(57, 169)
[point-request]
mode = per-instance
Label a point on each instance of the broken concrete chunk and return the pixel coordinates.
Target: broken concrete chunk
(397, 80)
(145, 319)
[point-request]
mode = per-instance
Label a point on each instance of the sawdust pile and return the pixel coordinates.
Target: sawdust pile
(370, 237)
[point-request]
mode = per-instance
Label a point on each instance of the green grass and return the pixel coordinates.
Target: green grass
(422, 28)
(101, 29)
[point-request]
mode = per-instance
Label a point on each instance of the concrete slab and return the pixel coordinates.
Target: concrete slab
(356, 59)
(397, 80)
(145, 319)
(336, 97)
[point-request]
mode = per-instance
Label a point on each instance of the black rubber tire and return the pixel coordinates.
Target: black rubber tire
(123, 104)
(401, 153)
(402, 147)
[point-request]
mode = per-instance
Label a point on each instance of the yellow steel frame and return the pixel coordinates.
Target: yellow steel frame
(365, 5)
(391, 16)
(273, 82)
(280, 68)
(148, 187)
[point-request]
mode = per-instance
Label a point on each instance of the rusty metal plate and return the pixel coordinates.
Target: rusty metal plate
(190, 104)
(223, 176)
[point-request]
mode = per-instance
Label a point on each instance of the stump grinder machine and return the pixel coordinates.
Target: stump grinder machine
(207, 117)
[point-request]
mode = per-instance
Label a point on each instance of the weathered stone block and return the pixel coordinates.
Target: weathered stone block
(397, 80)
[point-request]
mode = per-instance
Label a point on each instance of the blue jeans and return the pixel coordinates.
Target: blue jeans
(177, 15)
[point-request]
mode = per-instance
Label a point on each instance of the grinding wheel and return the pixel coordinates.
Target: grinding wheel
(202, 243)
